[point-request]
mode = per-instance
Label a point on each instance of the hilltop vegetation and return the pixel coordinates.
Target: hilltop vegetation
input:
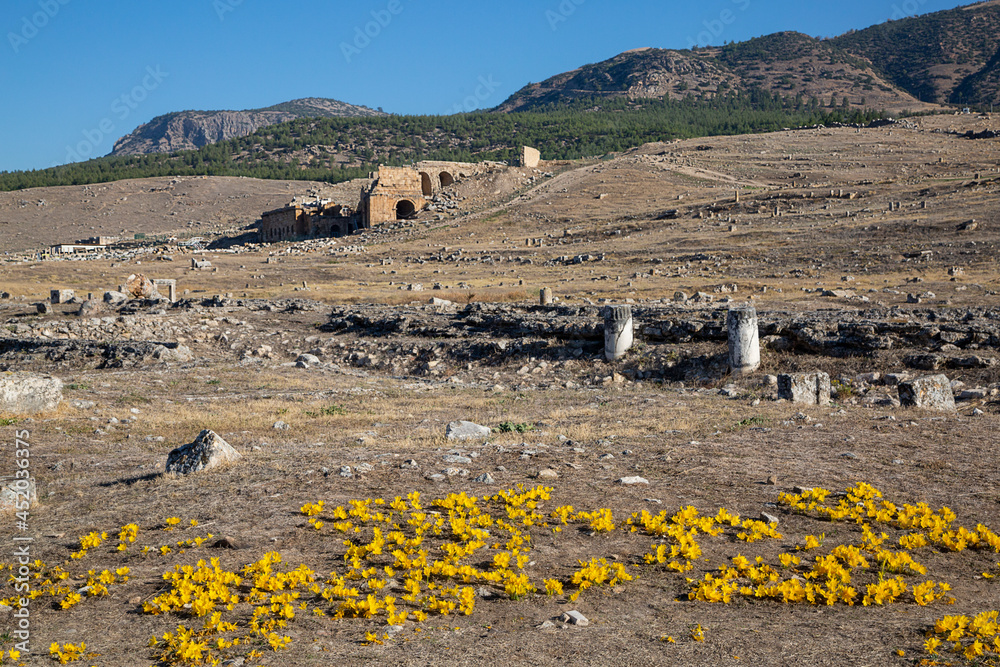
(935, 57)
(338, 149)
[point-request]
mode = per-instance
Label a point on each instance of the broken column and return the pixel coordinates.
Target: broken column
(744, 339)
(545, 296)
(617, 331)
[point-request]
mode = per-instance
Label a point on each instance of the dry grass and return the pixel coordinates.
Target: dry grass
(695, 447)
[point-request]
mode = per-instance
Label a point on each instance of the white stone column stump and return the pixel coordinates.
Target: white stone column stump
(744, 339)
(617, 331)
(545, 296)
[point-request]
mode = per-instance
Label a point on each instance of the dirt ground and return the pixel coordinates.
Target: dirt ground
(365, 416)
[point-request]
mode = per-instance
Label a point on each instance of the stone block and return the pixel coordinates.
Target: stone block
(805, 388)
(61, 295)
(27, 393)
(931, 392)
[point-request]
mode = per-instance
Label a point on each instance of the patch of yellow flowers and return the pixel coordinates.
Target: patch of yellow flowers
(975, 639)
(407, 560)
(68, 653)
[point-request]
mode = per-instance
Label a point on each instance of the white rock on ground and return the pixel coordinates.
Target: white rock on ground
(206, 452)
(575, 618)
(178, 354)
(630, 481)
(26, 393)
(463, 430)
(932, 392)
(13, 491)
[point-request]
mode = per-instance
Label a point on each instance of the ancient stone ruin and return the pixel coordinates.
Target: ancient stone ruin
(391, 193)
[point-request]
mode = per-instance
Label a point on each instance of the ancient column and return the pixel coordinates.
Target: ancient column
(617, 331)
(545, 296)
(744, 339)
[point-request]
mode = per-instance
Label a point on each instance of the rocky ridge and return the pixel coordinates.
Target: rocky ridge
(189, 130)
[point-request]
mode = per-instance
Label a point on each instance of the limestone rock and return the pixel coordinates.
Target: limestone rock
(931, 392)
(89, 308)
(115, 298)
(206, 452)
(26, 393)
(139, 286)
(632, 481)
(14, 491)
(575, 618)
(310, 359)
(463, 430)
(807, 388)
(178, 354)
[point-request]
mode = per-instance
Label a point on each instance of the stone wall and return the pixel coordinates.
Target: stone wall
(283, 223)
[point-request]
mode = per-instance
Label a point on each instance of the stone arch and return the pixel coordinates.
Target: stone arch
(404, 209)
(425, 184)
(446, 179)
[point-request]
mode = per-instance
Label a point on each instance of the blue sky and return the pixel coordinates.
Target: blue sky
(78, 74)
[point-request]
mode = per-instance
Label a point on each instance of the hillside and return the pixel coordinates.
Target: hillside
(188, 130)
(944, 57)
(789, 64)
(337, 149)
(641, 73)
(947, 57)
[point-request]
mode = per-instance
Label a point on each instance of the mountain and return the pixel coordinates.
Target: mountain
(944, 57)
(640, 73)
(788, 63)
(912, 63)
(188, 130)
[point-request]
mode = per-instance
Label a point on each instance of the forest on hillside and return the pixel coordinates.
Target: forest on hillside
(338, 149)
